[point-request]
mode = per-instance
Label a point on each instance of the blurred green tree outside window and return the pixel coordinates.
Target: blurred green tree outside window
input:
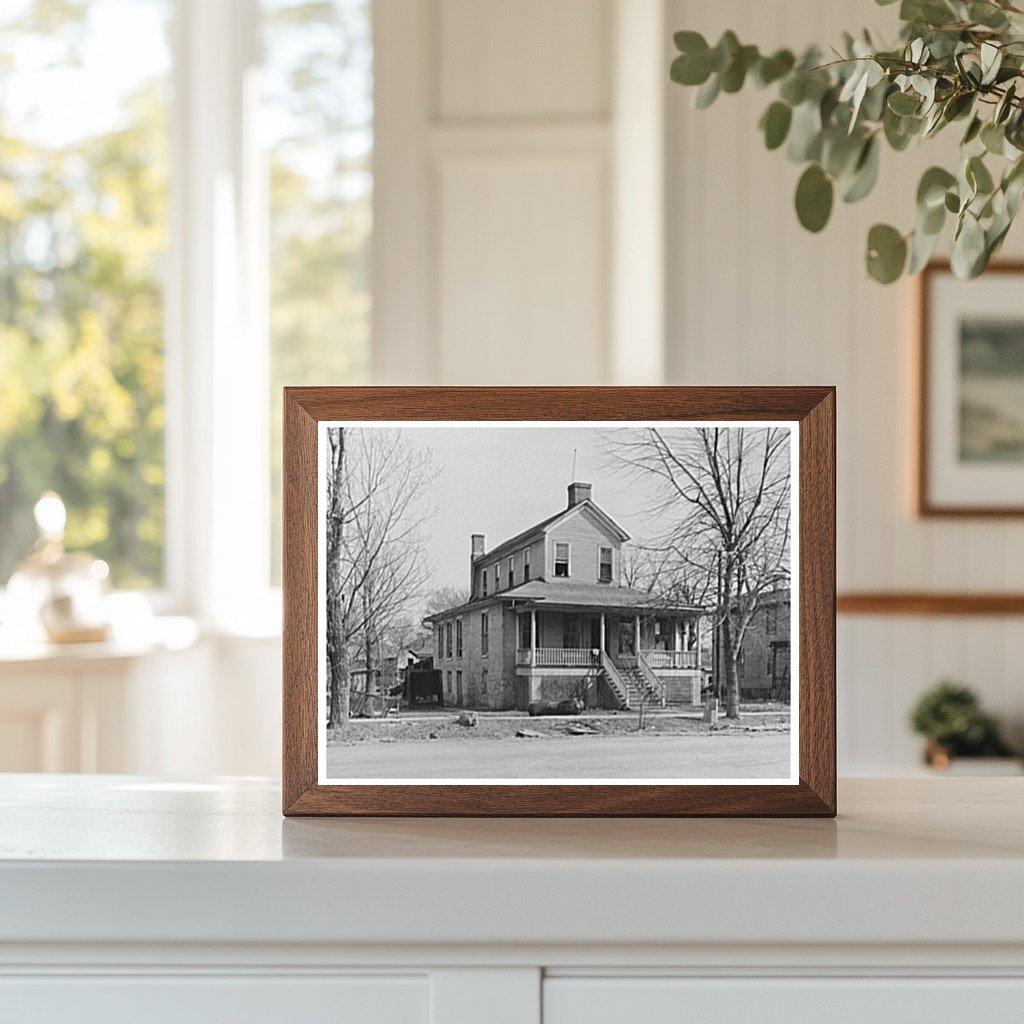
(83, 237)
(317, 119)
(84, 210)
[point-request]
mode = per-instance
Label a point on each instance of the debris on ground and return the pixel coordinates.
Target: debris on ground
(467, 718)
(529, 734)
(580, 729)
(433, 736)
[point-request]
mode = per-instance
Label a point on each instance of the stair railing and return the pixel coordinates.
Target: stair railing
(615, 680)
(651, 681)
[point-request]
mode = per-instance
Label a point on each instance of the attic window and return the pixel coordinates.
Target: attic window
(604, 573)
(561, 559)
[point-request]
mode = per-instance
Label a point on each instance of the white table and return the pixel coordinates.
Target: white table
(124, 898)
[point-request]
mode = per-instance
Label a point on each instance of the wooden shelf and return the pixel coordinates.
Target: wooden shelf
(928, 603)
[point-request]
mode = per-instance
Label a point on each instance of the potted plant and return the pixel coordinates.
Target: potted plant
(950, 718)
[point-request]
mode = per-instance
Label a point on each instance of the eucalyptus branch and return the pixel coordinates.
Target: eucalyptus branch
(956, 61)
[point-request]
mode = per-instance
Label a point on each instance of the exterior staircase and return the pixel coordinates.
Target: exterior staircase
(636, 683)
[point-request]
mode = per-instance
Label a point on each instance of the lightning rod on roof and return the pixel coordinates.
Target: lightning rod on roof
(574, 451)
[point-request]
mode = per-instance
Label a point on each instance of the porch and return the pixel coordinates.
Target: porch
(651, 657)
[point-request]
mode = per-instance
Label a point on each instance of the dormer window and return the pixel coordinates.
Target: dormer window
(561, 559)
(604, 567)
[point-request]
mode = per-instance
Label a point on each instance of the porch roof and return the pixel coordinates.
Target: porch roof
(578, 595)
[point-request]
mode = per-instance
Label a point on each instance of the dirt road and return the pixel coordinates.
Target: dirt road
(708, 756)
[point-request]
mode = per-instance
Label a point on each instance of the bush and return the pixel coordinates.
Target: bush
(949, 715)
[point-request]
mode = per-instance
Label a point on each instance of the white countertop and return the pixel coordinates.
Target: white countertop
(119, 859)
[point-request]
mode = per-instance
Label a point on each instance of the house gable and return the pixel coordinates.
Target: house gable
(586, 530)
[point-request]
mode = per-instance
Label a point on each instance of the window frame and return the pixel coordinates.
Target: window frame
(485, 634)
(458, 638)
(555, 560)
(601, 548)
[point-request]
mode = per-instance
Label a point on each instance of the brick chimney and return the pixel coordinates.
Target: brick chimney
(579, 493)
(477, 540)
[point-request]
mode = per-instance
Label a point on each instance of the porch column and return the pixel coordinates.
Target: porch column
(676, 638)
(533, 636)
(602, 634)
(636, 622)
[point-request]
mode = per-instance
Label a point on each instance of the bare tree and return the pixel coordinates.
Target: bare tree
(725, 493)
(375, 560)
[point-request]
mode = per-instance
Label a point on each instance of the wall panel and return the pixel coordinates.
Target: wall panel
(753, 299)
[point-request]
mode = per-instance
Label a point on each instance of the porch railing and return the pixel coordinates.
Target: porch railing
(557, 657)
(671, 659)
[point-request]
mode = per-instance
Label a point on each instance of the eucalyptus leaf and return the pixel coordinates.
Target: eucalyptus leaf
(886, 253)
(922, 248)
(805, 133)
(904, 103)
(968, 248)
(978, 176)
(707, 93)
(993, 138)
(814, 195)
(865, 173)
(775, 124)
(931, 190)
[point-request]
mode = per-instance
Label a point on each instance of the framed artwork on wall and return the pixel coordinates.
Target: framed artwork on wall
(559, 601)
(970, 444)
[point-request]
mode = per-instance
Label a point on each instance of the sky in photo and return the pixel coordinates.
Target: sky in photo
(499, 481)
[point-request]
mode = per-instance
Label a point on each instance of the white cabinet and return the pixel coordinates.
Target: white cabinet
(823, 1000)
(132, 899)
(202, 999)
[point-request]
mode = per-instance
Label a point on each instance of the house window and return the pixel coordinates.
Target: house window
(485, 639)
(483, 680)
(511, 572)
(771, 620)
(483, 576)
(458, 638)
(448, 683)
(440, 641)
(604, 572)
(497, 576)
(526, 565)
(561, 559)
(458, 686)
(448, 639)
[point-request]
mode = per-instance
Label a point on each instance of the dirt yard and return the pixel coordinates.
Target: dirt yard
(609, 745)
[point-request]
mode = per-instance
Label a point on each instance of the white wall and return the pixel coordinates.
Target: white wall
(754, 299)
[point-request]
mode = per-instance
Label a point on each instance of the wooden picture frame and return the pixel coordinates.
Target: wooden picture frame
(810, 413)
(931, 374)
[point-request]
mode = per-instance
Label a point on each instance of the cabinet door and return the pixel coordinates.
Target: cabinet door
(202, 999)
(655, 1000)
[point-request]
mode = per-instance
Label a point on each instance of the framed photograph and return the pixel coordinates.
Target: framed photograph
(970, 450)
(559, 601)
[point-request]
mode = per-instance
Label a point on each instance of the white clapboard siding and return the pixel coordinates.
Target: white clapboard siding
(754, 299)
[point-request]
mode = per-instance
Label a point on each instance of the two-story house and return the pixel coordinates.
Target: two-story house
(763, 664)
(550, 618)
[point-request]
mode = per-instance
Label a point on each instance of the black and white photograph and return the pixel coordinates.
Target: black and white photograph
(557, 602)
